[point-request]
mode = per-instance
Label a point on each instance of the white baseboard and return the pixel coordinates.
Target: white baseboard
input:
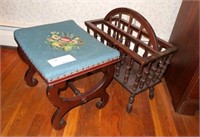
(6, 36)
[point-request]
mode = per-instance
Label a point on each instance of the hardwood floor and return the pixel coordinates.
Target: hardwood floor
(26, 111)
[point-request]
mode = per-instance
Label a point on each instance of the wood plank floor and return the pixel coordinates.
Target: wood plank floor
(26, 111)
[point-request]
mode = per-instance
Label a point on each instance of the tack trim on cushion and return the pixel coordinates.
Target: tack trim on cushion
(88, 51)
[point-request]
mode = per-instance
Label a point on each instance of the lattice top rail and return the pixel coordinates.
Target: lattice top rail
(130, 32)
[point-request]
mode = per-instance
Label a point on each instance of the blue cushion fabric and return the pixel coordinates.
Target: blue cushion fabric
(33, 42)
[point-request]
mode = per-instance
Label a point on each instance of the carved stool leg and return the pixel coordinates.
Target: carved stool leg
(108, 77)
(64, 105)
(130, 103)
(30, 81)
(151, 92)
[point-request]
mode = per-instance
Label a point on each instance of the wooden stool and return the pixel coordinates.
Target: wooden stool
(60, 52)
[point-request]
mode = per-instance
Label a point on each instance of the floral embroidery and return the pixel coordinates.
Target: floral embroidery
(63, 41)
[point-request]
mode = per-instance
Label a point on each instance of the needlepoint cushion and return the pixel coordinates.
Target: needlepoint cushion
(61, 49)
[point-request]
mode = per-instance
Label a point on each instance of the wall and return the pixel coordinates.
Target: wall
(24, 13)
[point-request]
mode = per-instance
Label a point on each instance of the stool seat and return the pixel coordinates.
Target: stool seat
(61, 49)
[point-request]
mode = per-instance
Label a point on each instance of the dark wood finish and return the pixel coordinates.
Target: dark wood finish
(26, 111)
(144, 57)
(54, 88)
(30, 80)
(182, 76)
(64, 105)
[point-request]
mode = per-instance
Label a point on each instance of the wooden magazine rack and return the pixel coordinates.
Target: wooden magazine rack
(144, 57)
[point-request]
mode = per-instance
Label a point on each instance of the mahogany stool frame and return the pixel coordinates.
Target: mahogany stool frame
(54, 88)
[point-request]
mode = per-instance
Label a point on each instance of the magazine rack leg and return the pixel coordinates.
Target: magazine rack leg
(130, 103)
(66, 104)
(151, 92)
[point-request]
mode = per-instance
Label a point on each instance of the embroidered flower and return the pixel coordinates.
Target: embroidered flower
(63, 41)
(56, 37)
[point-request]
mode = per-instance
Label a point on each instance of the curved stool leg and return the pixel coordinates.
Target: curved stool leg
(108, 77)
(30, 81)
(53, 95)
(64, 105)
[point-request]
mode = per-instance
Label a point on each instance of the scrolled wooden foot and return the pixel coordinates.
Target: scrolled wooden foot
(104, 100)
(30, 81)
(151, 93)
(57, 121)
